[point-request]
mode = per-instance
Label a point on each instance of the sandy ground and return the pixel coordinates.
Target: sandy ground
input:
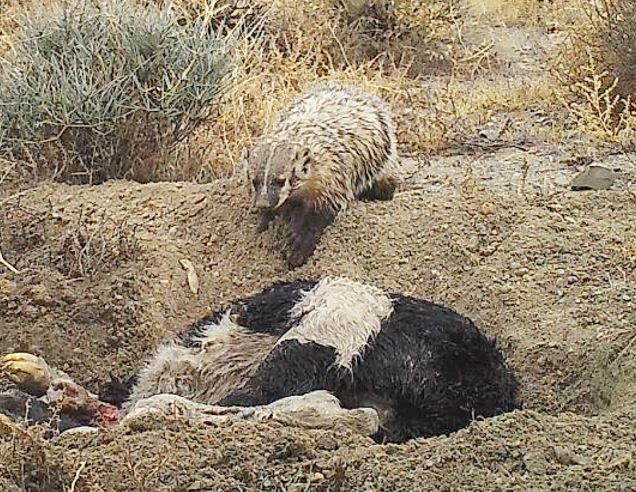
(550, 272)
(495, 234)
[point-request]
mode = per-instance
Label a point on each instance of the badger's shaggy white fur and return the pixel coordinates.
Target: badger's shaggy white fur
(351, 140)
(339, 313)
(334, 144)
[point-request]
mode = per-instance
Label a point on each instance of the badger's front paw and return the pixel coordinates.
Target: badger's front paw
(28, 372)
(296, 259)
(264, 221)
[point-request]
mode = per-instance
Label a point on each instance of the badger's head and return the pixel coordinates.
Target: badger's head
(275, 170)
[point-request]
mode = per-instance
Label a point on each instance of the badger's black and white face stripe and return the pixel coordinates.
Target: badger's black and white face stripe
(340, 314)
(275, 169)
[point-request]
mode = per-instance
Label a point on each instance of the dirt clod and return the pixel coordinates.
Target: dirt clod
(593, 178)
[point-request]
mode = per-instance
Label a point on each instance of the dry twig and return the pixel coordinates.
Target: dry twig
(7, 265)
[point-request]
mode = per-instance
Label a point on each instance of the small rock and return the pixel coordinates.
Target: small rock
(80, 430)
(566, 456)
(593, 178)
(491, 133)
(535, 463)
(193, 279)
(488, 208)
(316, 477)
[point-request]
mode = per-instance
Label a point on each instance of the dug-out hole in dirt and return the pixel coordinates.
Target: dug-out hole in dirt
(532, 272)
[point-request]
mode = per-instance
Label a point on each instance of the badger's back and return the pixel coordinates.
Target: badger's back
(350, 133)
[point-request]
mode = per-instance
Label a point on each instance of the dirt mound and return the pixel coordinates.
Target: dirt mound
(551, 275)
(516, 451)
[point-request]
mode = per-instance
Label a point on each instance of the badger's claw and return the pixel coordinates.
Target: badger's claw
(28, 372)
(264, 221)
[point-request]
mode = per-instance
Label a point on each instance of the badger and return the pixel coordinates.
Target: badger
(425, 369)
(334, 144)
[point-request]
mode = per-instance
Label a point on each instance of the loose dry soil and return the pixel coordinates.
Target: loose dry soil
(549, 272)
(498, 236)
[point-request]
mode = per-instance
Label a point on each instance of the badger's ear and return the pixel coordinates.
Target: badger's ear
(303, 162)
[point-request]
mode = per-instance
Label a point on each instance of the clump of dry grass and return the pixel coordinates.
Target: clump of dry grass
(351, 42)
(596, 64)
(343, 33)
(511, 12)
(88, 249)
(386, 47)
(27, 460)
(92, 91)
(87, 246)
(8, 23)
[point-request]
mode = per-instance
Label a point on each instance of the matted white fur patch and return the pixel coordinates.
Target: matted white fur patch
(227, 356)
(342, 314)
(220, 332)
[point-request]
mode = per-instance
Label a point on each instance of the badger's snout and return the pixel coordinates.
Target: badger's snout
(270, 197)
(261, 202)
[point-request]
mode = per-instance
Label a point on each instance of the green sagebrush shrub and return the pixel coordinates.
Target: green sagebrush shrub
(94, 90)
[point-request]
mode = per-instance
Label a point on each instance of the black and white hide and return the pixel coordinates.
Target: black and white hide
(425, 369)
